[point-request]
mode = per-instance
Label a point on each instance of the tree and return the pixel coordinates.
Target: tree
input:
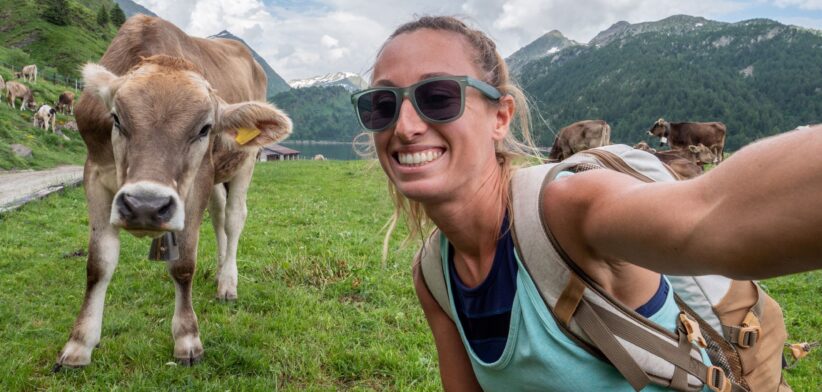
(56, 12)
(102, 16)
(117, 17)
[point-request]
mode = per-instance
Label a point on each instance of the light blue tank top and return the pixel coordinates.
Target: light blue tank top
(538, 356)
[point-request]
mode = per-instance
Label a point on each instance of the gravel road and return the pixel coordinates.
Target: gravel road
(18, 188)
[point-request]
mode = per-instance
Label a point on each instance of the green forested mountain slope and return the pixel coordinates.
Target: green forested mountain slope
(319, 113)
(60, 47)
(759, 77)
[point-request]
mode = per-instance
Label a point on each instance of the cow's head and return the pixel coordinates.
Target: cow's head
(660, 129)
(702, 154)
(166, 118)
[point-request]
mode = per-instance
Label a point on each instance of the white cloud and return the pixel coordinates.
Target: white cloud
(344, 35)
(328, 41)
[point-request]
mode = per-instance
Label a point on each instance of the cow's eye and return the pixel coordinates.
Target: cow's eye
(205, 130)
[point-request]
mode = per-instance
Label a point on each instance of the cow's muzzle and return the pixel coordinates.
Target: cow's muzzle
(146, 208)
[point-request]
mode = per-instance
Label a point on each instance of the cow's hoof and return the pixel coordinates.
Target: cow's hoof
(188, 350)
(227, 297)
(74, 355)
(191, 360)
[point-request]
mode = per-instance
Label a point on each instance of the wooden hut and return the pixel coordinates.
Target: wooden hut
(276, 152)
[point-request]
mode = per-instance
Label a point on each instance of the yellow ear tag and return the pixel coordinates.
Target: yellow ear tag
(245, 135)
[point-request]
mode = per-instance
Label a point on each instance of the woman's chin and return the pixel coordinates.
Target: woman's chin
(422, 191)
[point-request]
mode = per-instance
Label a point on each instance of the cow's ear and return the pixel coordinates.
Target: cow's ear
(101, 83)
(253, 123)
(693, 148)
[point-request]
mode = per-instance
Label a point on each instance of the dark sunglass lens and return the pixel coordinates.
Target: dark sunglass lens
(377, 109)
(439, 100)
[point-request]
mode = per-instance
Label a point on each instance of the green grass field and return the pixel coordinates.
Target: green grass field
(316, 310)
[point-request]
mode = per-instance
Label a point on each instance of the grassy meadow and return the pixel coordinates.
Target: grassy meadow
(316, 309)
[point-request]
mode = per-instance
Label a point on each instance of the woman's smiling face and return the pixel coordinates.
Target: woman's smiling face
(431, 163)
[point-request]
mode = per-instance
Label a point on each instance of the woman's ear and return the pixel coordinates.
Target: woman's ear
(505, 114)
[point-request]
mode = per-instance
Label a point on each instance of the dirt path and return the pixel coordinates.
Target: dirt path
(18, 188)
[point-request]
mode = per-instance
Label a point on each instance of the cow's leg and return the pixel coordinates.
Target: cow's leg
(103, 255)
(236, 212)
(188, 349)
(216, 208)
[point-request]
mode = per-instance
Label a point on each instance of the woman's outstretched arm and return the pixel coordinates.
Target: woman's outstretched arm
(757, 215)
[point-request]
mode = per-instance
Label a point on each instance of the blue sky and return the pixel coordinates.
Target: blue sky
(302, 39)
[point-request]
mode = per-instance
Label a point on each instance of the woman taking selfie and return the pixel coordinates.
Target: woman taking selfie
(441, 109)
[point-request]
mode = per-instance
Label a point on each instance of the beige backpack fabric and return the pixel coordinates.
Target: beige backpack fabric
(740, 327)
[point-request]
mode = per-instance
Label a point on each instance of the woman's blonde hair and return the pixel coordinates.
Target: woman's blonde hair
(516, 144)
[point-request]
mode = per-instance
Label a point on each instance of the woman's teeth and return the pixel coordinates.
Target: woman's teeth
(418, 158)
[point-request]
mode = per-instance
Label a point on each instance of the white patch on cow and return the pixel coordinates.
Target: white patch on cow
(177, 221)
(663, 140)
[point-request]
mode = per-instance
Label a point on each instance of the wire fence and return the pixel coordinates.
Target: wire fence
(50, 76)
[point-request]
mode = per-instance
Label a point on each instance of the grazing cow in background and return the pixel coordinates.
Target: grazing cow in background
(580, 136)
(29, 73)
(44, 117)
(684, 168)
(2, 84)
(681, 135)
(698, 155)
(65, 103)
(16, 90)
(172, 124)
(644, 147)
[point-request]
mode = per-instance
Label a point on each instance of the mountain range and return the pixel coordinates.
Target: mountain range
(348, 80)
(759, 77)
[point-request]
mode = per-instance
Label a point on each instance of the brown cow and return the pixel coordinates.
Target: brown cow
(16, 90)
(172, 124)
(681, 135)
(29, 73)
(65, 103)
(698, 155)
(580, 136)
(685, 168)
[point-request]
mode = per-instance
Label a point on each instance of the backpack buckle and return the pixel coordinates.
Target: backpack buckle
(748, 336)
(749, 331)
(692, 330)
(717, 381)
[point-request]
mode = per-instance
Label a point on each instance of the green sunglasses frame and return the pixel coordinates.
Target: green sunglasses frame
(402, 93)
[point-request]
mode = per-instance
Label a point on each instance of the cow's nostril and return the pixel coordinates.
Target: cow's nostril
(125, 206)
(166, 211)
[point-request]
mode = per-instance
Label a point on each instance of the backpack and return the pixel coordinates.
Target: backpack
(739, 326)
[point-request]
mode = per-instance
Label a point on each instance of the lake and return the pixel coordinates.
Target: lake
(336, 151)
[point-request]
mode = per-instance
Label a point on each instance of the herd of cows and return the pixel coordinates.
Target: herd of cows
(692, 144)
(45, 116)
(173, 124)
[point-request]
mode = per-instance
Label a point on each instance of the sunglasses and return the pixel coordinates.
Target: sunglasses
(437, 100)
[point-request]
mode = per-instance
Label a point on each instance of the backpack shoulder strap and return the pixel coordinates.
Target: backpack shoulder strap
(430, 259)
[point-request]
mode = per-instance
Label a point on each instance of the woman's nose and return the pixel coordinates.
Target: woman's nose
(409, 124)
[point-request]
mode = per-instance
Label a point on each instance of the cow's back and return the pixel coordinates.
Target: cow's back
(227, 65)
